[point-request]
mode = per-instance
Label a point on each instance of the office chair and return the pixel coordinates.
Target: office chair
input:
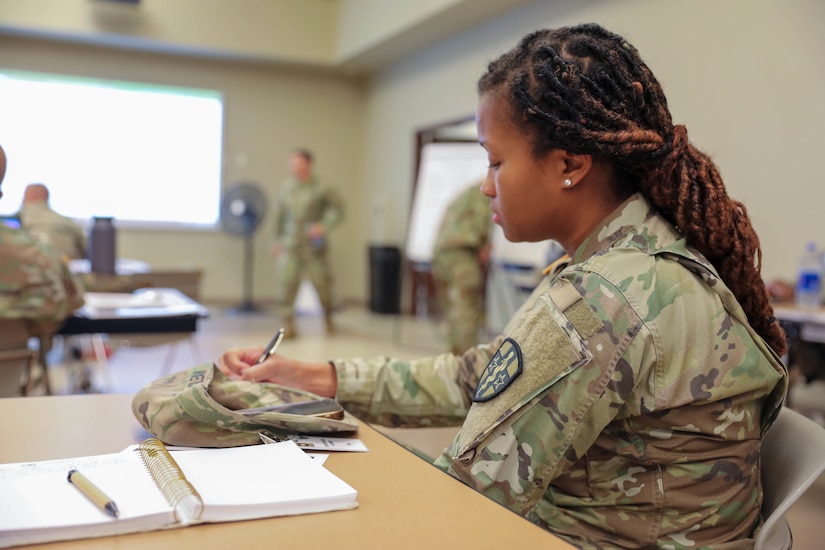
(16, 359)
(792, 458)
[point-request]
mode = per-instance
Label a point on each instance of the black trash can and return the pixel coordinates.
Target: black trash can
(385, 279)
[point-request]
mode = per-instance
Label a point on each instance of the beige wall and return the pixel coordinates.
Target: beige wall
(267, 113)
(744, 76)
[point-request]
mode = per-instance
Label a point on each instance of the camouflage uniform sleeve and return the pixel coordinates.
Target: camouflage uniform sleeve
(333, 209)
(79, 236)
(433, 391)
(74, 289)
(514, 443)
(281, 217)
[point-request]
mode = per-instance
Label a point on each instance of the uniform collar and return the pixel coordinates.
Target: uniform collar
(630, 214)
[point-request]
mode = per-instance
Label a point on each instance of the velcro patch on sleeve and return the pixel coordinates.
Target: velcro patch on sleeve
(541, 347)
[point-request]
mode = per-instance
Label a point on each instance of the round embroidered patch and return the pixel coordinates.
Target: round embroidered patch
(504, 367)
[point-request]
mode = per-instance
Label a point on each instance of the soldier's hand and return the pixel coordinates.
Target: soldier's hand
(234, 361)
(315, 230)
(319, 378)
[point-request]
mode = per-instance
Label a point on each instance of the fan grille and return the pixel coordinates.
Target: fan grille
(242, 209)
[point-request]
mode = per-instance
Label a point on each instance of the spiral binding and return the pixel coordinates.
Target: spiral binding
(181, 495)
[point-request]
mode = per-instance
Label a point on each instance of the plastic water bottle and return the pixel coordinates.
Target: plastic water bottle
(808, 291)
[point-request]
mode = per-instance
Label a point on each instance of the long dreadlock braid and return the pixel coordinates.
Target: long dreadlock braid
(586, 90)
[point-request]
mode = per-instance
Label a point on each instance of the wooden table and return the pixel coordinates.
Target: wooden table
(404, 502)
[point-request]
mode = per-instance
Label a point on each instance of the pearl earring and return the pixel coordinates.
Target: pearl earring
(568, 182)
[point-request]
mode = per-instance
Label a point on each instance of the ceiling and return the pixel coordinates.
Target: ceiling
(362, 35)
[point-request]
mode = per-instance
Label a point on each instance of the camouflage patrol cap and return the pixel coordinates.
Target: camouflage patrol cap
(200, 407)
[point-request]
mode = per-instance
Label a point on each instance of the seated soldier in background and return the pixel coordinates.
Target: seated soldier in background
(37, 217)
(35, 283)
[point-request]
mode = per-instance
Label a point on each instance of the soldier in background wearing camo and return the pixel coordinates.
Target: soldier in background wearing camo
(624, 404)
(35, 283)
(305, 213)
(55, 229)
(460, 258)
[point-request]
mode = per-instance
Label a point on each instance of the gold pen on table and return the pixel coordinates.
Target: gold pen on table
(91, 491)
(271, 346)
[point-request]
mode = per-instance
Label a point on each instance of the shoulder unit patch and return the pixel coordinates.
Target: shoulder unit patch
(504, 367)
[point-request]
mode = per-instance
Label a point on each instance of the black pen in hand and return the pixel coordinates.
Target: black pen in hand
(271, 346)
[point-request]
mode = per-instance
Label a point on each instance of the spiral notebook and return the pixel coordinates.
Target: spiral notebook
(155, 488)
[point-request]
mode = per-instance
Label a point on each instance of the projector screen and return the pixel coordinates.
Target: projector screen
(144, 154)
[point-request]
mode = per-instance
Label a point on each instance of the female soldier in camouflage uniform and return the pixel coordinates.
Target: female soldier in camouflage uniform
(624, 404)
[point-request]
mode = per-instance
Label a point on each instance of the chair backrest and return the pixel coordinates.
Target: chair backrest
(792, 458)
(16, 359)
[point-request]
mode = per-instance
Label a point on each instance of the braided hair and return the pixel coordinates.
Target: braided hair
(586, 90)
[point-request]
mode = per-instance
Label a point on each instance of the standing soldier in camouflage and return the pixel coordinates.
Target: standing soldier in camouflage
(35, 283)
(460, 258)
(624, 404)
(305, 213)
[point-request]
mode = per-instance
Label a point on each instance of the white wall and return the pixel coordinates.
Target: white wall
(744, 76)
